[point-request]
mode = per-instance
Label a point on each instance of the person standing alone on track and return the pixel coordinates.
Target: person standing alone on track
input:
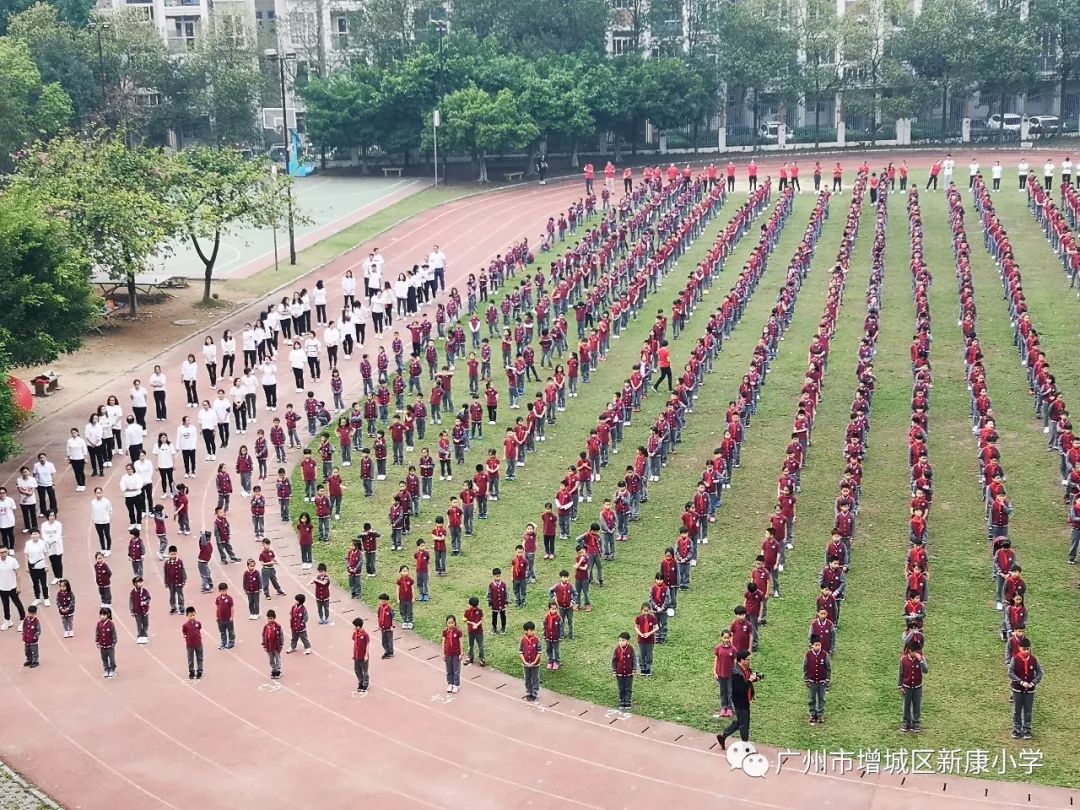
(664, 355)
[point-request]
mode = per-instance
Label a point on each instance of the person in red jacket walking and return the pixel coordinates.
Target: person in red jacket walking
(273, 641)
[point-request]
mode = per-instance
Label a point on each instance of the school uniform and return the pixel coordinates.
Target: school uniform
(911, 682)
(1025, 674)
(817, 671)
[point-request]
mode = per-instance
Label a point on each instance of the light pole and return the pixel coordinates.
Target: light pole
(281, 58)
(440, 29)
(273, 219)
(99, 27)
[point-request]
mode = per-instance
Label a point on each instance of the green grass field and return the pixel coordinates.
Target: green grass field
(966, 704)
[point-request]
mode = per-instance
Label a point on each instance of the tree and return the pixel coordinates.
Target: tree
(107, 194)
(44, 283)
(11, 416)
(62, 54)
(872, 58)
(477, 123)
(343, 111)
(213, 191)
(997, 78)
(557, 103)
(28, 109)
(822, 39)
(75, 12)
(668, 92)
(1059, 22)
(519, 26)
(226, 75)
(938, 45)
(388, 31)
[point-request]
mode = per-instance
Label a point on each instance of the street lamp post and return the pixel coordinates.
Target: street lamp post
(273, 219)
(281, 58)
(440, 29)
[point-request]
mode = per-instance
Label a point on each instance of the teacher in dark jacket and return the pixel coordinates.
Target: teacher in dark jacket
(742, 694)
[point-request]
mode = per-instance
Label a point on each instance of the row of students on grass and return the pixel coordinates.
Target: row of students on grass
(1023, 668)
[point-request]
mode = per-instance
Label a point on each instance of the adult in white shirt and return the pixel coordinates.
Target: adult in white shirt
(361, 316)
(189, 372)
(134, 433)
(268, 379)
(1066, 171)
(305, 307)
(101, 513)
(312, 348)
(296, 314)
(261, 338)
(249, 386)
(249, 344)
(318, 298)
(388, 298)
(140, 398)
(973, 172)
(401, 295)
(7, 520)
(1048, 174)
(995, 175)
(165, 456)
(45, 478)
(157, 387)
(228, 354)
(27, 488)
(9, 588)
(36, 559)
(297, 361)
(186, 440)
(222, 410)
(77, 451)
(348, 288)
(272, 322)
(239, 405)
(52, 532)
(377, 261)
(372, 276)
(345, 325)
(947, 168)
(144, 468)
(1023, 170)
(209, 353)
(332, 339)
(208, 424)
(437, 261)
(131, 485)
(284, 318)
(426, 283)
(115, 415)
(95, 444)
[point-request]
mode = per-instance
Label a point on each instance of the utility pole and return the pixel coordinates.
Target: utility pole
(281, 59)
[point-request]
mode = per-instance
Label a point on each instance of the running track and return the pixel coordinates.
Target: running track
(152, 739)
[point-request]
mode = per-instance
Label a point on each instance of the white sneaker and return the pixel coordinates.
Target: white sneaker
(142, 640)
(47, 603)
(5, 626)
(55, 581)
(36, 602)
(449, 688)
(107, 552)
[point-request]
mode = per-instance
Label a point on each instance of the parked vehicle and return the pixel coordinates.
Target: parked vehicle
(1010, 122)
(1047, 124)
(770, 131)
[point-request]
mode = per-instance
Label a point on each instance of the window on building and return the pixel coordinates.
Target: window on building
(340, 28)
(621, 43)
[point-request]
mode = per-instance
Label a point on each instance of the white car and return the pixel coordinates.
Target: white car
(1011, 122)
(1047, 124)
(770, 131)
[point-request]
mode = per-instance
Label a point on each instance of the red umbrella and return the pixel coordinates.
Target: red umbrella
(24, 397)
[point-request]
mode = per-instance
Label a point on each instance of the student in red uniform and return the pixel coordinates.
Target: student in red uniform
(322, 594)
(912, 668)
(223, 612)
(105, 638)
(1025, 673)
(497, 598)
(817, 670)
(647, 626)
(31, 637)
(385, 616)
(405, 591)
(452, 654)
(725, 659)
(474, 625)
(623, 664)
(273, 641)
(192, 631)
(298, 619)
(361, 655)
(529, 650)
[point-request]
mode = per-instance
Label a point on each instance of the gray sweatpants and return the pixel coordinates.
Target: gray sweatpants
(532, 681)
